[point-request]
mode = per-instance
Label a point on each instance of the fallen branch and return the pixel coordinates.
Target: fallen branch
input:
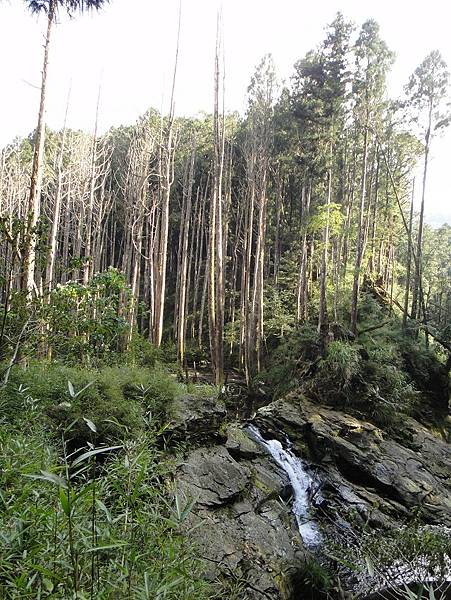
(374, 327)
(13, 360)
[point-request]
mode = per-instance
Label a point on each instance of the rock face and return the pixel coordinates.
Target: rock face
(364, 468)
(242, 527)
(196, 419)
(241, 519)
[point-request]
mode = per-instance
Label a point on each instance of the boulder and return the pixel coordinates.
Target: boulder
(240, 445)
(212, 478)
(196, 419)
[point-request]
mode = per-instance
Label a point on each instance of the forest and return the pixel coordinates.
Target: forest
(165, 284)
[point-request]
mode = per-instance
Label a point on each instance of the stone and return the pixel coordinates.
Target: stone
(239, 524)
(195, 418)
(211, 477)
(365, 457)
(239, 444)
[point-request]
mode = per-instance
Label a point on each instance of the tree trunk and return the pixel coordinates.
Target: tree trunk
(29, 254)
(360, 238)
(409, 263)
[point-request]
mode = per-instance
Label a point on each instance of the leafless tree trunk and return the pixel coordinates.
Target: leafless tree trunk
(29, 254)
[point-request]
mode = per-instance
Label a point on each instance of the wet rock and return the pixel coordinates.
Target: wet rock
(212, 477)
(376, 468)
(240, 445)
(239, 523)
(269, 481)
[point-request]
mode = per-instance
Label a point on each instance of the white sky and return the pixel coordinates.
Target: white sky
(129, 47)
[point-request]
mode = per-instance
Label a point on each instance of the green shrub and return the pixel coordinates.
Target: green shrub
(286, 365)
(159, 389)
(118, 400)
(196, 355)
(141, 352)
(387, 392)
(427, 373)
(105, 534)
(338, 370)
(114, 417)
(314, 580)
(202, 390)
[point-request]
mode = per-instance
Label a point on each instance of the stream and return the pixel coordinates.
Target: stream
(301, 482)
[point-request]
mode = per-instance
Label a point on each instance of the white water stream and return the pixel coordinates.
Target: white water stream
(301, 483)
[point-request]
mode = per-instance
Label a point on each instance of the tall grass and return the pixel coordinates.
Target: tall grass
(95, 522)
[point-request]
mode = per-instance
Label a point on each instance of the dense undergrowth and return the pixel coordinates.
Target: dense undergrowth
(86, 504)
(381, 374)
(86, 507)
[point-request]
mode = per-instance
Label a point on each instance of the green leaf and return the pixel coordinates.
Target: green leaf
(48, 585)
(90, 424)
(102, 507)
(84, 389)
(50, 477)
(369, 566)
(349, 565)
(64, 499)
(70, 426)
(87, 455)
(166, 587)
(107, 547)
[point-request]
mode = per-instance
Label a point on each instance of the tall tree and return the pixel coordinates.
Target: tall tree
(166, 177)
(50, 8)
(427, 92)
(257, 153)
(373, 59)
(216, 232)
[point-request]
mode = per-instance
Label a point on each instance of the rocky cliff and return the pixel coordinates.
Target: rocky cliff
(364, 482)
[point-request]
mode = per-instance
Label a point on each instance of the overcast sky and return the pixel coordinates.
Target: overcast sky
(129, 49)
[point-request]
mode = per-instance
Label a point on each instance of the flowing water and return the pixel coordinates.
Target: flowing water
(301, 483)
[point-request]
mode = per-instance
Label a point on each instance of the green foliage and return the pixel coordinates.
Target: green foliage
(200, 355)
(388, 393)
(142, 353)
(87, 321)
(382, 375)
(101, 522)
(427, 94)
(370, 381)
(286, 365)
(120, 401)
(315, 579)
(338, 369)
(278, 313)
(113, 533)
(202, 390)
(411, 543)
(427, 373)
(331, 215)
(76, 323)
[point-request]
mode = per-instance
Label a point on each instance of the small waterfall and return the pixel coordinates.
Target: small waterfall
(301, 483)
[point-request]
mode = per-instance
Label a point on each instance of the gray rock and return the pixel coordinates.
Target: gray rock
(241, 520)
(375, 468)
(195, 418)
(211, 477)
(240, 445)
(240, 527)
